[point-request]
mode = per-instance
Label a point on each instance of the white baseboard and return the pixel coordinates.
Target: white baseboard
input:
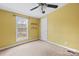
(18, 43)
(67, 48)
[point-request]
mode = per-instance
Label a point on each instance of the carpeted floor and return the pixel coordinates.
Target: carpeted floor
(36, 48)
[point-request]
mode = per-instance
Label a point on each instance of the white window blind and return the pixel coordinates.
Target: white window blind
(21, 28)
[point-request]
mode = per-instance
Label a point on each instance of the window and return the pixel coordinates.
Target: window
(21, 28)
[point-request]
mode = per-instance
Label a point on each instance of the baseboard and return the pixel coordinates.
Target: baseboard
(17, 44)
(67, 48)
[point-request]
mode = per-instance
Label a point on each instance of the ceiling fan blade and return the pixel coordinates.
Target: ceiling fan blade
(34, 8)
(52, 6)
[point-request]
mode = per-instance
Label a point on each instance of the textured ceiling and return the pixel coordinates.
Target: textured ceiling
(24, 8)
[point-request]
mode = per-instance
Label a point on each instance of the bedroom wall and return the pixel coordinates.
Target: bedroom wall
(43, 28)
(63, 26)
(8, 28)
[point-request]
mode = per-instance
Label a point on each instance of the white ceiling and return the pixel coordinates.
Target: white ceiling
(24, 8)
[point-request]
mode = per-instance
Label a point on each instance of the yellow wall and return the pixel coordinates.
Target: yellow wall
(34, 29)
(63, 26)
(8, 28)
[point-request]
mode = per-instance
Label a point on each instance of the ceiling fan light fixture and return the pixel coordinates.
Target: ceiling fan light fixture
(43, 6)
(43, 12)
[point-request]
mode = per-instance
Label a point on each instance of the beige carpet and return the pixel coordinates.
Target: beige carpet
(36, 48)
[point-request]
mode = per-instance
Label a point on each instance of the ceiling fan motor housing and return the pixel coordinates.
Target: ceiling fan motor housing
(42, 7)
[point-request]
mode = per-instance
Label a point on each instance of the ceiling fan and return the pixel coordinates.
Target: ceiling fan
(42, 5)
